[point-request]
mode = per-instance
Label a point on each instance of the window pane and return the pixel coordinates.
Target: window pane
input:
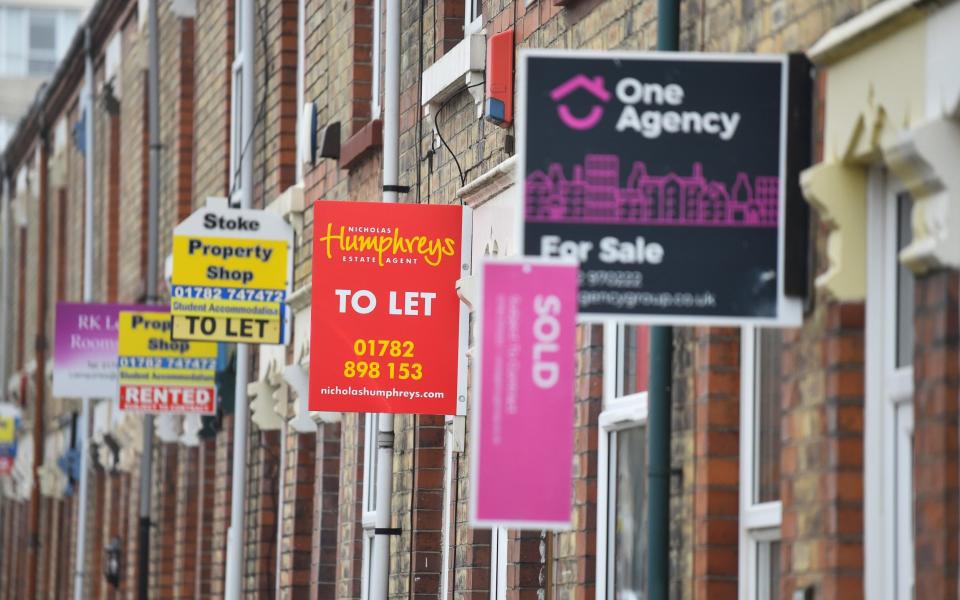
(767, 416)
(41, 66)
(635, 359)
(43, 33)
(768, 570)
(905, 284)
(367, 565)
(43, 43)
(631, 515)
(13, 41)
(472, 10)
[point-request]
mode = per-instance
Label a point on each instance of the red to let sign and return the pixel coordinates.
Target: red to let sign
(388, 329)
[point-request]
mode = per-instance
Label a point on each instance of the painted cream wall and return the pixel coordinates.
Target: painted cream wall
(874, 94)
(892, 99)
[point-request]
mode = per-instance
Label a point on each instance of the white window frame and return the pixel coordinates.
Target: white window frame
(759, 521)
(498, 563)
(472, 17)
(236, 107)
(368, 519)
(619, 412)
(888, 408)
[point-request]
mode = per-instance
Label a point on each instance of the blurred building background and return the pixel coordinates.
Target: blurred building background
(34, 36)
(813, 462)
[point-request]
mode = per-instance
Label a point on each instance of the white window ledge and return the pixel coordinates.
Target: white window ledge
(844, 39)
(289, 202)
(459, 69)
(485, 187)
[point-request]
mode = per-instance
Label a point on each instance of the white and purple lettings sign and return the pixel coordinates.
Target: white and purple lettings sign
(85, 349)
(522, 427)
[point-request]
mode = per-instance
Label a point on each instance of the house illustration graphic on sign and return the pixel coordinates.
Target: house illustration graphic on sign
(593, 194)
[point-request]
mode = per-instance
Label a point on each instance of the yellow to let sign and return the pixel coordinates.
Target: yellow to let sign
(230, 262)
(231, 329)
(232, 271)
(7, 429)
(159, 374)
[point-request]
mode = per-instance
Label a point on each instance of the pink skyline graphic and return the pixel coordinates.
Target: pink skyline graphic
(592, 194)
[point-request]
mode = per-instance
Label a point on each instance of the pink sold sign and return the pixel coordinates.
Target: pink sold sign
(522, 427)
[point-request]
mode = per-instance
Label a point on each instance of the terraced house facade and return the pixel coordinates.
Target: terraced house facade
(816, 462)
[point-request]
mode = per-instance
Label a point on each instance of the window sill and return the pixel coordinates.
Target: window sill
(360, 144)
(462, 68)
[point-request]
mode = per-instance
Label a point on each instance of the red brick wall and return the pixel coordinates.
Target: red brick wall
(184, 123)
(418, 504)
(448, 24)
(9, 538)
(221, 505)
(326, 496)
(16, 537)
(123, 531)
(205, 124)
(96, 524)
(275, 156)
(526, 564)
(21, 299)
(134, 156)
(935, 435)
(20, 540)
(112, 509)
(299, 478)
(822, 455)
(43, 551)
(212, 72)
(51, 547)
(112, 266)
(716, 462)
(361, 74)
(6, 534)
(131, 570)
(69, 562)
(63, 234)
(164, 517)
(470, 548)
(39, 397)
(188, 485)
(176, 129)
(62, 573)
(205, 507)
(349, 531)
(574, 569)
(263, 471)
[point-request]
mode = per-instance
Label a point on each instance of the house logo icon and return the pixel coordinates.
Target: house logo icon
(592, 85)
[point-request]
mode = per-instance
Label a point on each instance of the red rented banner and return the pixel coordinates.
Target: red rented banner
(388, 329)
